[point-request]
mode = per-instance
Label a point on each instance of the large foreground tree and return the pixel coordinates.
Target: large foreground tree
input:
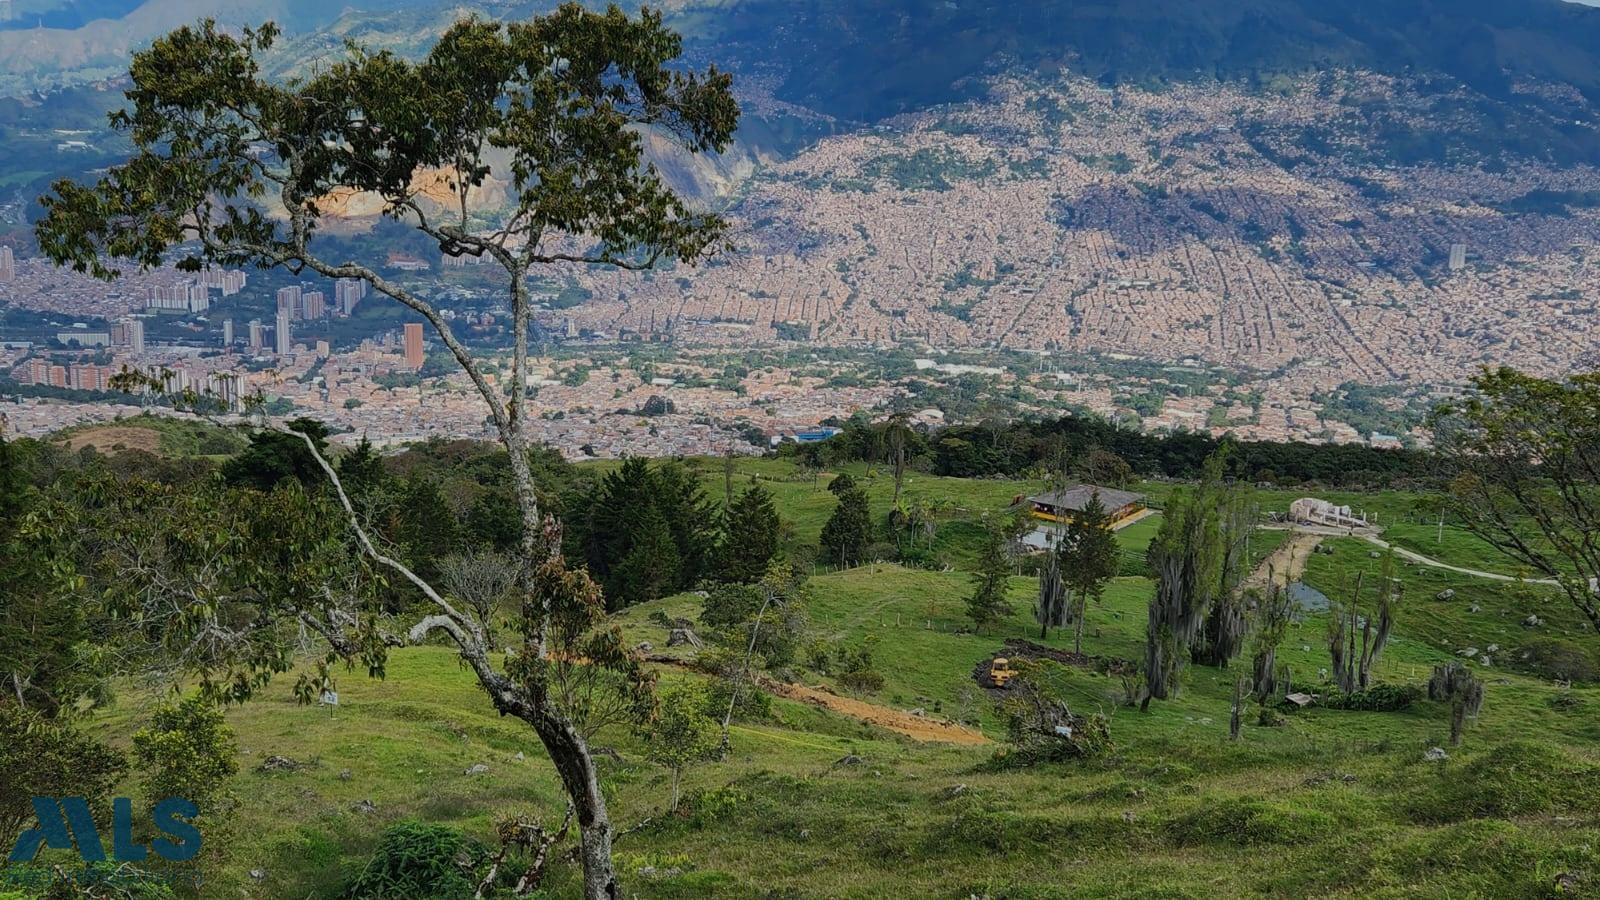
(231, 168)
(1525, 455)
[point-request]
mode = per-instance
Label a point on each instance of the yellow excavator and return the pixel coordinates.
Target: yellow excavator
(1000, 672)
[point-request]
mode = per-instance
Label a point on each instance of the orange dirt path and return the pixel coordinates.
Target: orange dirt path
(918, 727)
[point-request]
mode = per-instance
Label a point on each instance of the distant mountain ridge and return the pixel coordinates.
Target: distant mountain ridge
(863, 61)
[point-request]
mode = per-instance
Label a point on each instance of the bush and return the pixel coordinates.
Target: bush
(863, 681)
(818, 657)
(188, 751)
(730, 604)
(1378, 698)
(416, 859)
(42, 757)
(858, 669)
(1556, 660)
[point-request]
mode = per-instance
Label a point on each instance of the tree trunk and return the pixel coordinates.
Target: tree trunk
(1238, 706)
(1077, 628)
(567, 748)
(574, 763)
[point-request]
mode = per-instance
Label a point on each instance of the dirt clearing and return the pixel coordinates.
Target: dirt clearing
(920, 728)
(105, 438)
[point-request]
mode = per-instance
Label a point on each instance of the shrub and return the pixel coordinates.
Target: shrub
(753, 705)
(714, 808)
(1378, 698)
(42, 757)
(730, 604)
(818, 657)
(858, 669)
(188, 751)
(1556, 660)
(416, 859)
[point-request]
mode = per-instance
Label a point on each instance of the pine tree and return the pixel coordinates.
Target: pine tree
(692, 518)
(750, 536)
(629, 495)
(988, 603)
(1089, 557)
(651, 568)
(362, 472)
(425, 526)
(624, 494)
(849, 529)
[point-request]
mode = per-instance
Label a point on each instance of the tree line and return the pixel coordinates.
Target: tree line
(1108, 452)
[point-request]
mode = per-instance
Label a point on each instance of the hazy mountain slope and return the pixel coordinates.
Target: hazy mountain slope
(45, 57)
(864, 61)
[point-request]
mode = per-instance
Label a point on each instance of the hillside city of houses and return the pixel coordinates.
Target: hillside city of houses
(592, 398)
(1174, 260)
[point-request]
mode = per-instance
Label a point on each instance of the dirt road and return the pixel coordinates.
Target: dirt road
(918, 727)
(1288, 562)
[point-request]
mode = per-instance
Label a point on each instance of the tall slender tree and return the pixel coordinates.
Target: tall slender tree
(560, 103)
(1223, 635)
(1357, 632)
(989, 602)
(1050, 610)
(1088, 560)
(1187, 558)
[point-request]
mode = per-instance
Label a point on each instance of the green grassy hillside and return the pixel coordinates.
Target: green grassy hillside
(1331, 802)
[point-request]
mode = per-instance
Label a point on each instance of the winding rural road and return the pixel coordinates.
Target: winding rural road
(1319, 532)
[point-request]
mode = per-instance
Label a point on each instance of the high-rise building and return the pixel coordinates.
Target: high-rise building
(136, 336)
(314, 304)
(8, 265)
(289, 301)
(1458, 256)
(228, 281)
(90, 377)
(257, 340)
(282, 335)
(225, 387)
(227, 333)
(413, 345)
(347, 292)
(38, 371)
(323, 350)
(184, 296)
